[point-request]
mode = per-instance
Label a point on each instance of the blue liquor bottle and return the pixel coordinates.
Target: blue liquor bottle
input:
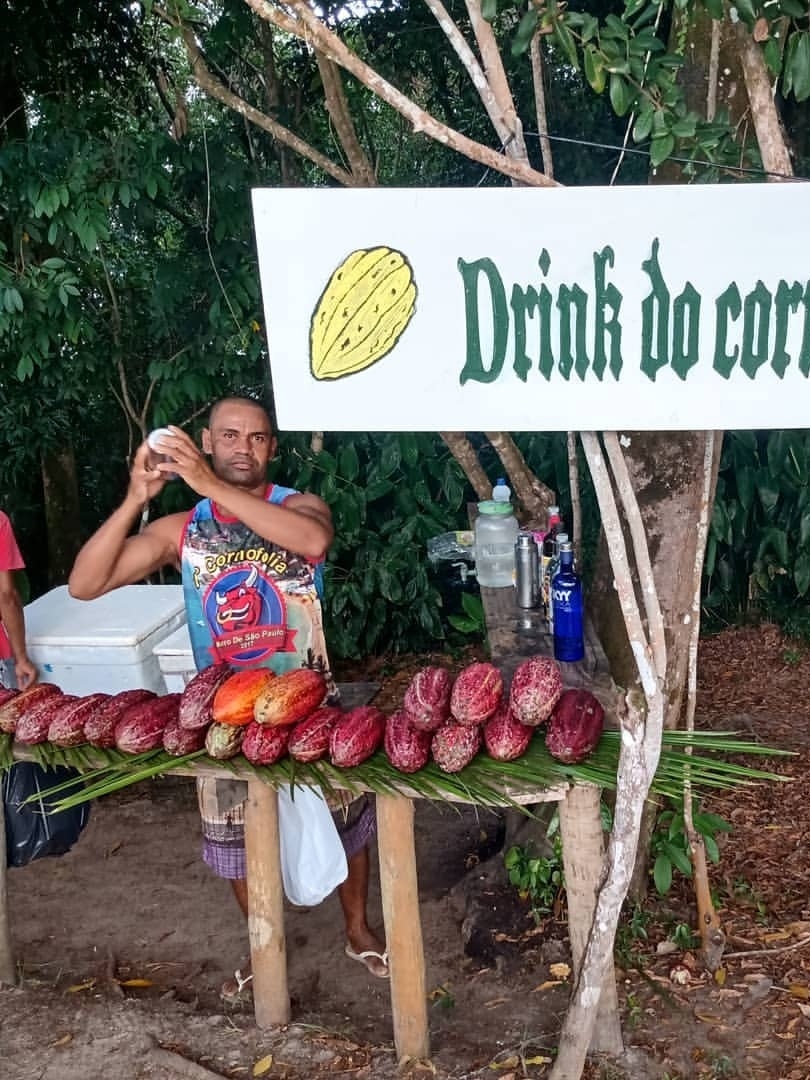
(566, 597)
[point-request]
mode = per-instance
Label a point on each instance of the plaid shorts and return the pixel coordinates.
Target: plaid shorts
(222, 811)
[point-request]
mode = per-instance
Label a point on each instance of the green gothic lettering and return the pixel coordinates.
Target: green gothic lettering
(608, 298)
(727, 303)
(756, 317)
(685, 330)
(474, 366)
(654, 318)
(568, 300)
(787, 300)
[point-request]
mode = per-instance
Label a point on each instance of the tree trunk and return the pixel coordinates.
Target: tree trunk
(666, 470)
(61, 490)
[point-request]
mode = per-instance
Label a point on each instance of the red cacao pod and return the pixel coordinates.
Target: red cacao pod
(427, 699)
(455, 745)
(476, 693)
(356, 736)
(32, 726)
(505, 737)
(575, 726)
(141, 727)
(234, 699)
(407, 746)
(536, 688)
(265, 744)
(178, 740)
(197, 699)
(14, 708)
(99, 728)
(309, 740)
(67, 724)
(290, 697)
(6, 694)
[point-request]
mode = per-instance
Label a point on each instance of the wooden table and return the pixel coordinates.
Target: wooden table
(582, 862)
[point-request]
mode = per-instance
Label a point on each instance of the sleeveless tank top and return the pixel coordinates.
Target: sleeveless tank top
(250, 602)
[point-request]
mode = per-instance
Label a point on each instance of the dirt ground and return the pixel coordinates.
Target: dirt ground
(123, 943)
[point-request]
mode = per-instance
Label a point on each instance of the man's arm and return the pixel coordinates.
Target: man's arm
(111, 557)
(11, 615)
(302, 525)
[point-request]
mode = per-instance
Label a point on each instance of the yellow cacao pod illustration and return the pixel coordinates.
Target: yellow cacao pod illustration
(362, 313)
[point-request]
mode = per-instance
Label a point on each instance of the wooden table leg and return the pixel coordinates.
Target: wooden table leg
(583, 854)
(8, 971)
(268, 951)
(403, 928)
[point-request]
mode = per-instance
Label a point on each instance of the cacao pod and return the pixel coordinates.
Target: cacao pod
(455, 745)
(536, 688)
(178, 740)
(67, 725)
(290, 697)
(223, 741)
(505, 737)
(309, 740)
(365, 307)
(14, 708)
(6, 694)
(575, 726)
(264, 744)
(141, 727)
(427, 699)
(407, 746)
(197, 700)
(235, 698)
(476, 693)
(356, 736)
(99, 728)
(32, 726)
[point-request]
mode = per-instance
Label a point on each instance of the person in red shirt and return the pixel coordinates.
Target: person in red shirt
(12, 621)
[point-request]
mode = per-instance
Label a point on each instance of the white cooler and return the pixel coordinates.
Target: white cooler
(176, 660)
(106, 644)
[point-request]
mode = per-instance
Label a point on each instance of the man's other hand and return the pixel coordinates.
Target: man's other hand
(25, 672)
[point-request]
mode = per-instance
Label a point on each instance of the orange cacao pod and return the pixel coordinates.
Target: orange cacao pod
(235, 698)
(290, 697)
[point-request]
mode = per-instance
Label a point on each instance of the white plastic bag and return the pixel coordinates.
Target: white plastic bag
(313, 862)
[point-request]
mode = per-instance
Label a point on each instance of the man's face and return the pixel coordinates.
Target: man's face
(240, 443)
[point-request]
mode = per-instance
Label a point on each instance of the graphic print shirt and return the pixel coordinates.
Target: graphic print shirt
(248, 601)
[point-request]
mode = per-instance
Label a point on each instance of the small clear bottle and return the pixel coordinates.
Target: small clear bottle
(496, 531)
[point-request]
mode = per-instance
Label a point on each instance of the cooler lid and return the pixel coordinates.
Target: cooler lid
(124, 617)
(178, 643)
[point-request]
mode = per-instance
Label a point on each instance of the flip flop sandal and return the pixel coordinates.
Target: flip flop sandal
(369, 955)
(232, 990)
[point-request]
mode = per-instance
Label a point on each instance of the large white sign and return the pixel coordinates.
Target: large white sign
(520, 309)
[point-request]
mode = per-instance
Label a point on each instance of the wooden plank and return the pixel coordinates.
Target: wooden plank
(8, 970)
(583, 852)
(403, 928)
(268, 951)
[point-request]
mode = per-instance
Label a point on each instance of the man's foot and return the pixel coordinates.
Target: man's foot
(368, 950)
(239, 987)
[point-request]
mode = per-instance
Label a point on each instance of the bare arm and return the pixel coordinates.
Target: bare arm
(111, 557)
(11, 613)
(302, 525)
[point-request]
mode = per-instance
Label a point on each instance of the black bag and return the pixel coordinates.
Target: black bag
(32, 831)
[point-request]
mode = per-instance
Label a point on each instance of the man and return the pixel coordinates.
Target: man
(251, 556)
(15, 667)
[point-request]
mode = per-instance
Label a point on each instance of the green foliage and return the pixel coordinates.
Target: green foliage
(388, 494)
(759, 541)
(537, 879)
(473, 621)
(669, 848)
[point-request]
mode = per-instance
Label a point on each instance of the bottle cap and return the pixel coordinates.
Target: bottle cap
(526, 540)
(562, 538)
(566, 546)
(490, 506)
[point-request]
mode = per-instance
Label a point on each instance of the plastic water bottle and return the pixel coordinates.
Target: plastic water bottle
(566, 595)
(501, 492)
(496, 531)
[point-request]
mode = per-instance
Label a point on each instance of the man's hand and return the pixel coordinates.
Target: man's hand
(186, 461)
(26, 672)
(145, 481)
